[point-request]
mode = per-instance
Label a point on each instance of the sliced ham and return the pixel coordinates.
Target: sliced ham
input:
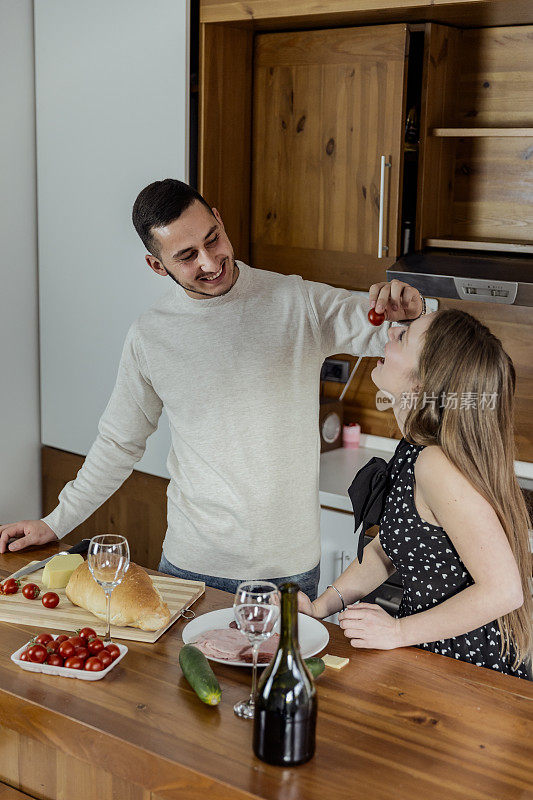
(230, 644)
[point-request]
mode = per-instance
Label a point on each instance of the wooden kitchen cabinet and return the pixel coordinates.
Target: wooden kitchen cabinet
(328, 109)
(458, 190)
(291, 140)
(476, 140)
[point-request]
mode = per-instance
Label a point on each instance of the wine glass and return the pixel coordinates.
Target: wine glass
(256, 609)
(108, 558)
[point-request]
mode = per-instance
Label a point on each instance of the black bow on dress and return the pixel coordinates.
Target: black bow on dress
(368, 494)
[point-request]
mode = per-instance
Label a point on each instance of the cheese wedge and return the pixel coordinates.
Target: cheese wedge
(336, 662)
(57, 572)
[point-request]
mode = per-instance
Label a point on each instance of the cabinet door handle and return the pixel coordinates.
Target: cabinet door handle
(381, 246)
(388, 605)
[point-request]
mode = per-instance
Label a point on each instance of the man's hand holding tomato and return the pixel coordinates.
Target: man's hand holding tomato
(396, 300)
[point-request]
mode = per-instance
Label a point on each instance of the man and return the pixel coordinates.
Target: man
(234, 355)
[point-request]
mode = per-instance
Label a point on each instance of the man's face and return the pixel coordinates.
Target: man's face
(196, 253)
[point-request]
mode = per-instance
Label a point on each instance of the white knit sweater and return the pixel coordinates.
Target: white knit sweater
(238, 376)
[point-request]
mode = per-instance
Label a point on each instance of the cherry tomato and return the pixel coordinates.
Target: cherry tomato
(87, 633)
(31, 591)
(73, 663)
(82, 653)
(94, 646)
(93, 664)
(105, 657)
(53, 647)
(54, 660)
(44, 638)
(66, 649)
(38, 653)
(77, 641)
(24, 656)
(50, 600)
(374, 318)
(61, 638)
(113, 650)
(11, 586)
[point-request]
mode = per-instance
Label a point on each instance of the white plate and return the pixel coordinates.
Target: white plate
(313, 635)
(82, 674)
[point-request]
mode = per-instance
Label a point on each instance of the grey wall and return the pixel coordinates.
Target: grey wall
(112, 116)
(19, 377)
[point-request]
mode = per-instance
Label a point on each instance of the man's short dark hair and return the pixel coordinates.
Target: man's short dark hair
(159, 204)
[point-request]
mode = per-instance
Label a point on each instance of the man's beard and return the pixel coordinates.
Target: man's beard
(206, 294)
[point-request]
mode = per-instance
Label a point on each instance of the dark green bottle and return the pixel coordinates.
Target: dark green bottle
(286, 703)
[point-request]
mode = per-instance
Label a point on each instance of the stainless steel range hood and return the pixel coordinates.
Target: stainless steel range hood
(468, 276)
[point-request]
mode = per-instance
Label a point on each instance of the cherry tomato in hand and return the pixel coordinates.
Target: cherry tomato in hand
(38, 653)
(54, 660)
(31, 591)
(44, 638)
(374, 318)
(87, 633)
(73, 663)
(113, 650)
(93, 664)
(105, 657)
(50, 600)
(94, 646)
(67, 649)
(11, 586)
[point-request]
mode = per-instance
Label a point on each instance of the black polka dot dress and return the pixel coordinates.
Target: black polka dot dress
(430, 568)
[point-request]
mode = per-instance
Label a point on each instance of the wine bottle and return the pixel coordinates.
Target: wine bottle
(286, 703)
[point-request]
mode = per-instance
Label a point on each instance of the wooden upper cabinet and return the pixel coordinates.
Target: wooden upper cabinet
(327, 105)
(475, 187)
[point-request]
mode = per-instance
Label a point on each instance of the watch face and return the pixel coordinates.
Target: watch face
(331, 427)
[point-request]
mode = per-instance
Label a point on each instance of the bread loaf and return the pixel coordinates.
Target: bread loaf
(135, 602)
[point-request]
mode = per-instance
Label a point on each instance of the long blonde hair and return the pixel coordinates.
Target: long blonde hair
(460, 356)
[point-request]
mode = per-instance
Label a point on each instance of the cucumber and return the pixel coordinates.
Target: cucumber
(201, 677)
(315, 666)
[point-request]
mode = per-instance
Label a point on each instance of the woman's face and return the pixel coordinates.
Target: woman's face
(394, 373)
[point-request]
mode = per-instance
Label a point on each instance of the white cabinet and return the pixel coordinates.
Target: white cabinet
(19, 398)
(112, 88)
(339, 546)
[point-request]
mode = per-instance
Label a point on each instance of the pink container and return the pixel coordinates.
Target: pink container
(351, 434)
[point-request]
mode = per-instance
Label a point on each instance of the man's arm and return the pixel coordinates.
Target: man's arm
(130, 418)
(342, 317)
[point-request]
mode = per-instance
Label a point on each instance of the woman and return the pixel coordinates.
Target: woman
(454, 523)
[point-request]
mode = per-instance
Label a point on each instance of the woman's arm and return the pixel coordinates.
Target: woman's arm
(477, 535)
(356, 581)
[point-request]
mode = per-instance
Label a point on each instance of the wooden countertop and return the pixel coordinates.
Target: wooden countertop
(390, 724)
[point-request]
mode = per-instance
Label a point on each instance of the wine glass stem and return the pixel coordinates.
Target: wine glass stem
(107, 637)
(255, 650)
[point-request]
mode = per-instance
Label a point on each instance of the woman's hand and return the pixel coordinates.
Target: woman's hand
(305, 605)
(397, 300)
(368, 625)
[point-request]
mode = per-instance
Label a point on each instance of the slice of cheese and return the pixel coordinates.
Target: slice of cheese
(57, 572)
(336, 662)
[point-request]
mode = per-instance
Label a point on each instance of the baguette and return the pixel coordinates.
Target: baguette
(135, 602)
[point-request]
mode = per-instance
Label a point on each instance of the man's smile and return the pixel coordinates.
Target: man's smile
(216, 275)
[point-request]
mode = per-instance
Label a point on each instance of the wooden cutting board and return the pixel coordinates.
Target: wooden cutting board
(177, 594)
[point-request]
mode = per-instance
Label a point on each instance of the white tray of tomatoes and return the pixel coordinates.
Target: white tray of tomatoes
(83, 655)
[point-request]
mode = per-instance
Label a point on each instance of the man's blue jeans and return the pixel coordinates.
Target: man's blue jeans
(307, 581)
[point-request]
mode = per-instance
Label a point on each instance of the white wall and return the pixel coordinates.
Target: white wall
(112, 116)
(19, 382)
